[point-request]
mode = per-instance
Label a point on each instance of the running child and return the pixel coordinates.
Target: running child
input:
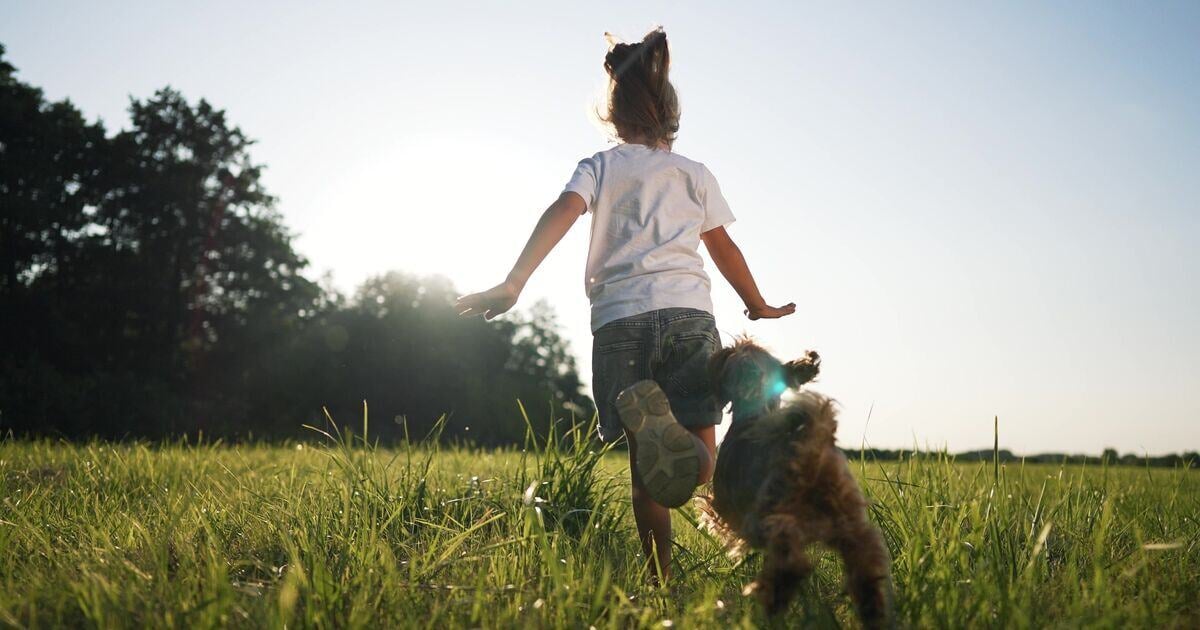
(651, 309)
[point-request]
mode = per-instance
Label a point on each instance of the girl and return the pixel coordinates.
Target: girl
(652, 324)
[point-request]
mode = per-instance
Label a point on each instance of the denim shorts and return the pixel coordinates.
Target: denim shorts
(670, 346)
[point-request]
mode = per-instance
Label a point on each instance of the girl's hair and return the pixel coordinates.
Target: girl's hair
(641, 99)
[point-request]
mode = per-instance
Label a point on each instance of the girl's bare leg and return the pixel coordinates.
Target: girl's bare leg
(653, 520)
(706, 439)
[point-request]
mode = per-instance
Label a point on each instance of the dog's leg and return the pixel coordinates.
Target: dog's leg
(710, 521)
(786, 565)
(868, 576)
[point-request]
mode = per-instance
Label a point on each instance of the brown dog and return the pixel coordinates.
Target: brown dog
(781, 484)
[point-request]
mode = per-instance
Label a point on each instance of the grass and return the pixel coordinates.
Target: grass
(342, 533)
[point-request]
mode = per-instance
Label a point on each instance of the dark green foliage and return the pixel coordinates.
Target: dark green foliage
(399, 344)
(150, 288)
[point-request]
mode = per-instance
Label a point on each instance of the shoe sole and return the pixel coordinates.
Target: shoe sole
(667, 461)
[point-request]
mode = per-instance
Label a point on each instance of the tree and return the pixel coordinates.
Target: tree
(540, 352)
(400, 345)
(207, 278)
(50, 161)
(150, 269)
(150, 288)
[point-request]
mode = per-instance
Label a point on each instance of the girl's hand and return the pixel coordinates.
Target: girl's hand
(490, 303)
(770, 312)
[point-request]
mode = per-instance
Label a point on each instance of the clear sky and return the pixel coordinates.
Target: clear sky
(980, 209)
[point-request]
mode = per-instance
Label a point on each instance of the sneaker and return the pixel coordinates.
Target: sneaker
(667, 461)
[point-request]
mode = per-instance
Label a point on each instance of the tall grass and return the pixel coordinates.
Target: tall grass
(341, 532)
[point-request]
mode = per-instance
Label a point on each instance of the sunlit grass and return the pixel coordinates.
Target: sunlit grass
(339, 533)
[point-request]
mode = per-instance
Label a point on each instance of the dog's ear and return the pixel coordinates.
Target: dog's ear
(802, 370)
(716, 374)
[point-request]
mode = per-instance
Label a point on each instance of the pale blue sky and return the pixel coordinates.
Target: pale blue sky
(981, 209)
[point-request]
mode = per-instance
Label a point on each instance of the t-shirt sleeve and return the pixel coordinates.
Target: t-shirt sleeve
(583, 182)
(716, 209)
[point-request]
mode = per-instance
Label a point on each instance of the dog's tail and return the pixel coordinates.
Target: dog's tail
(813, 419)
(802, 370)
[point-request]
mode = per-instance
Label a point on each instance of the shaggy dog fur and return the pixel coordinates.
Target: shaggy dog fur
(781, 484)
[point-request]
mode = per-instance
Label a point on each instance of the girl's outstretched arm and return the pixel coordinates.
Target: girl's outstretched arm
(730, 262)
(554, 224)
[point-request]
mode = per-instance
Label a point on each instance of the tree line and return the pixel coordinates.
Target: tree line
(149, 288)
(1110, 457)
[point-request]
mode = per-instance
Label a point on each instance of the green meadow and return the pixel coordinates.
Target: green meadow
(341, 532)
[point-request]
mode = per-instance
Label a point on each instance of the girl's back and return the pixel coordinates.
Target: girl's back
(649, 207)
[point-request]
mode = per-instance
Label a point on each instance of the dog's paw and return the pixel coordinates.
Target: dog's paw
(768, 596)
(765, 592)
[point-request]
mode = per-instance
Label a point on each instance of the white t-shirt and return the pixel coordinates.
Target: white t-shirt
(649, 207)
